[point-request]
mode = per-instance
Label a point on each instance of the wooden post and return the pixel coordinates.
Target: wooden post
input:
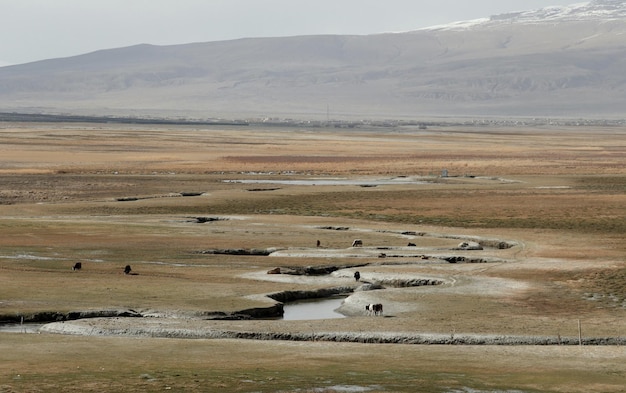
(580, 334)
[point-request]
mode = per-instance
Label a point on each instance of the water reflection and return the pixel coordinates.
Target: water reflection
(308, 309)
(313, 309)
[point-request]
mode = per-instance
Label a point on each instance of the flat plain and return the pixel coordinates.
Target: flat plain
(546, 204)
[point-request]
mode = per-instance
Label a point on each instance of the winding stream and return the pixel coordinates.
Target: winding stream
(20, 328)
(329, 182)
(311, 309)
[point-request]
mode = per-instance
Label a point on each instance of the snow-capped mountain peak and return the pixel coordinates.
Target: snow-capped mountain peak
(597, 9)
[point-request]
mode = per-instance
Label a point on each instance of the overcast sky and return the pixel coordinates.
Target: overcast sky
(32, 30)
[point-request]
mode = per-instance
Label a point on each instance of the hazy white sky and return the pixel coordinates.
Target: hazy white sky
(33, 30)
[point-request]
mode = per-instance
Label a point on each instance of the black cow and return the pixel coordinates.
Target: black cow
(77, 266)
(357, 276)
(127, 269)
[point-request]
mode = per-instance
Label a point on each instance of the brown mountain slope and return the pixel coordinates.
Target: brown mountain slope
(508, 65)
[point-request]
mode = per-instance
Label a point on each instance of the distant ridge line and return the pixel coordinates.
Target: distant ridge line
(336, 124)
(51, 118)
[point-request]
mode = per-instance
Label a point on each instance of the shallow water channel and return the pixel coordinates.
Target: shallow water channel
(310, 309)
(329, 182)
(20, 328)
(299, 310)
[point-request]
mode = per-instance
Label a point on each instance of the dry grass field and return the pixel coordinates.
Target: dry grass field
(160, 198)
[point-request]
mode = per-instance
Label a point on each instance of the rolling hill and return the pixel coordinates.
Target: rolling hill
(553, 62)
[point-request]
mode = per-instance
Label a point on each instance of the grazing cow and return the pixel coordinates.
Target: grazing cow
(275, 270)
(411, 245)
(127, 269)
(357, 276)
(357, 243)
(319, 243)
(77, 266)
(374, 309)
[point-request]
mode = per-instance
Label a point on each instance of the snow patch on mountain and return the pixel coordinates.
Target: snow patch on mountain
(599, 9)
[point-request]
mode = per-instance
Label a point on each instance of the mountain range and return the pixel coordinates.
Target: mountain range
(566, 62)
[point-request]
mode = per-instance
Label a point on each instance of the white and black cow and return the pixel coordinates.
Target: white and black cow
(374, 309)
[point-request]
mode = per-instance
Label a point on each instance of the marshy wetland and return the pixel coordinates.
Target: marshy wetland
(203, 214)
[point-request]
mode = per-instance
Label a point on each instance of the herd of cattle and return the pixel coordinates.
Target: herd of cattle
(79, 265)
(370, 309)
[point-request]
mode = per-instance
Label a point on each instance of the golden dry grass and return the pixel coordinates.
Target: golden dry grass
(77, 364)
(561, 193)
